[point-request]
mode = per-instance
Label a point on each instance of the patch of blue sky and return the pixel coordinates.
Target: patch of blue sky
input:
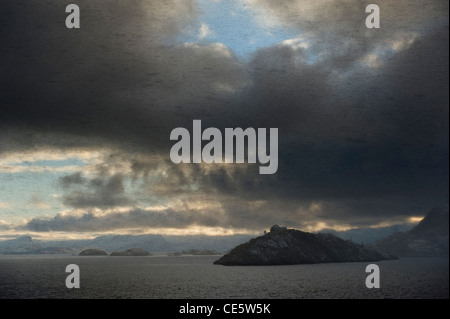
(29, 194)
(235, 25)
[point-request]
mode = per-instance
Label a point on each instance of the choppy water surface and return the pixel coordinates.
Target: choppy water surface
(197, 277)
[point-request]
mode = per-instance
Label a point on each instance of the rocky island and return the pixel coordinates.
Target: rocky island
(93, 252)
(282, 246)
(131, 252)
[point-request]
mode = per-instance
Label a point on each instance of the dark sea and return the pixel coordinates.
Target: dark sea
(185, 277)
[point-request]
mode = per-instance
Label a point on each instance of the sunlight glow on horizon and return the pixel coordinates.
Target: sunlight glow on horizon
(188, 231)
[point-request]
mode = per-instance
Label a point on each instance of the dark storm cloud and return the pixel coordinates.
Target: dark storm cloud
(72, 179)
(366, 141)
(381, 132)
(120, 79)
(100, 192)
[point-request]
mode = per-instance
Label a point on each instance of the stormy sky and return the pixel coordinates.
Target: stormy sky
(86, 114)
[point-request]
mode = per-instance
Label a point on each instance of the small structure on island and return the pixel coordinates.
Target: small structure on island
(276, 228)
